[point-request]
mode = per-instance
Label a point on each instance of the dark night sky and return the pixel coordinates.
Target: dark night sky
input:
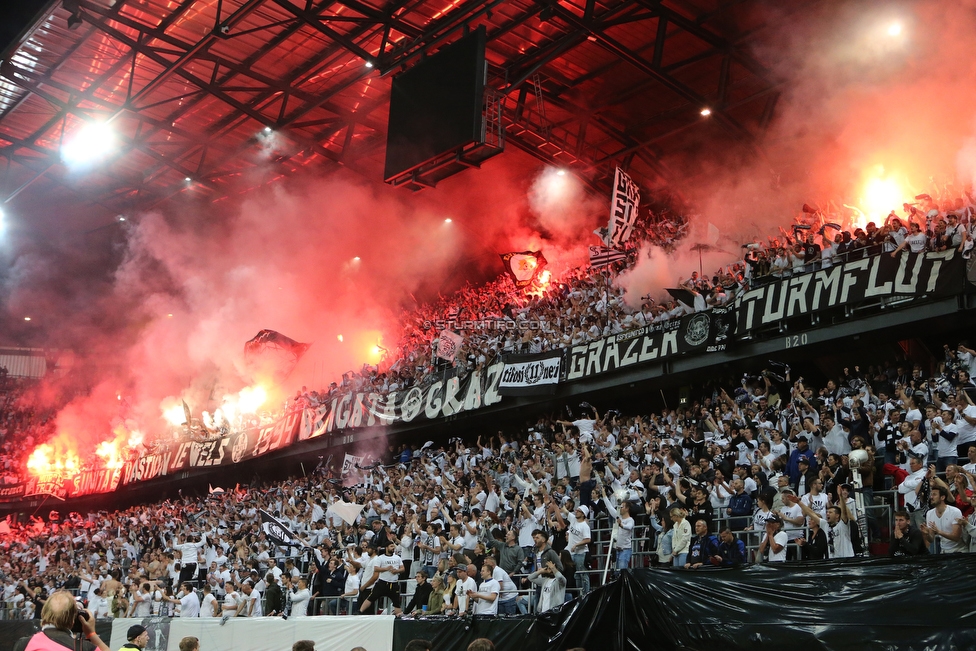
(15, 15)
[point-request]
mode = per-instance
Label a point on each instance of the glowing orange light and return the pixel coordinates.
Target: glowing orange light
(882, 193)
(706, 112)
(174, 415)
(894, 29)
(339, 337)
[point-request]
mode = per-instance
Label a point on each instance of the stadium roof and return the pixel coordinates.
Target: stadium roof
(234, 93)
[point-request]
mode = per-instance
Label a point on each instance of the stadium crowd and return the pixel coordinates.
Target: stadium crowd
(514, 520)
(584, 304)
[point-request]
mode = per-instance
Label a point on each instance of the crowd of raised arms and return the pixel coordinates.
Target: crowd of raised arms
(492, 524)
(581, 305)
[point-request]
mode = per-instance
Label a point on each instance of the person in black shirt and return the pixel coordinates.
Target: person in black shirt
(814, 547)
(906, 539)
(731, 550)
(703, 547)
(421, 594)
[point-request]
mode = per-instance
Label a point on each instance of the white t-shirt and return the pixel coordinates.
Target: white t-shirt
(389, 561)
(577, 531)
(780, 538)
(483, 606)
(461, 590)
(817, 504)
(946, 522)
(838, 540)
(206, 608)
(190, 605)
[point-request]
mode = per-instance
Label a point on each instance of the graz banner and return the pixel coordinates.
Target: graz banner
(880, 276)
(700, 332)
(526, 375)
(446, 396)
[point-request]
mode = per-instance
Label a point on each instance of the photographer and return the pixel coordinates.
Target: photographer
(60, 620)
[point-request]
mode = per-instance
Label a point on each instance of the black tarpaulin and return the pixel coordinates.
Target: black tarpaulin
(862, 604)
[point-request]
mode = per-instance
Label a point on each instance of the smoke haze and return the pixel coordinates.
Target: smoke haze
(190, 284)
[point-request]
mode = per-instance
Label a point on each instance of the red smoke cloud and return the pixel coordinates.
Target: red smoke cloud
(854, 98)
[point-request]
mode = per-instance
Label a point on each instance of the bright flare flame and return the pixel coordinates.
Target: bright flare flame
(894, 29)
(110, 454)
(882, 194)
(43, 462)
(250, 399)
(174, 415)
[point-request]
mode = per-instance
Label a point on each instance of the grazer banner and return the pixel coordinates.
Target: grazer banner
(448, 395)
(623, 209)
(527, 375)
(708, 331)
(880, 276)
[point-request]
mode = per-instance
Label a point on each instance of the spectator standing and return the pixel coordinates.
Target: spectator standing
(942, 529)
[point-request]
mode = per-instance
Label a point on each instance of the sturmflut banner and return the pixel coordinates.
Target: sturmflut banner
(881, 276)
(530, 374)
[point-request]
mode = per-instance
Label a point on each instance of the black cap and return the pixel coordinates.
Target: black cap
(135, 631)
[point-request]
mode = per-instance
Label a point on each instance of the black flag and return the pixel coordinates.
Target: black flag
(277, 532)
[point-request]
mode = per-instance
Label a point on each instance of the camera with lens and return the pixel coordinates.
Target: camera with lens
(82, 617)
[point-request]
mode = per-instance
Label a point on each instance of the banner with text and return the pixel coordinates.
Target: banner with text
(449, 395)
(527, 375)
(881, 276)
(700, 332)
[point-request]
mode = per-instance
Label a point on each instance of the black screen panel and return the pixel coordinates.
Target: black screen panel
(436, 106)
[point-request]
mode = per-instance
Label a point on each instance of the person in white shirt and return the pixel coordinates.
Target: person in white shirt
(299, 599)
(388, 567)
(98, 604)
(942, 527)
(209, 607)
(250, 600)
(189, 603)
(578, 540)
(141, 605)
(837, 526)
(486, 597)
(774, 541)
(188, 556)
(231, 605)
(465, 584)
(509, 591)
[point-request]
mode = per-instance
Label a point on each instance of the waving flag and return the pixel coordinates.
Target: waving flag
(601, 255)
(623, 208)
(277, 532)
(524, 266)
(346, 510)
(448, 345)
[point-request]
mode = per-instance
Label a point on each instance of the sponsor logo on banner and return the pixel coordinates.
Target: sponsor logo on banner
(881, 276)
(537, 374)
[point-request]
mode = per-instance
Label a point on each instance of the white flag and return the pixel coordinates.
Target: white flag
(346, 510)
(449, 344)
(623, 209)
